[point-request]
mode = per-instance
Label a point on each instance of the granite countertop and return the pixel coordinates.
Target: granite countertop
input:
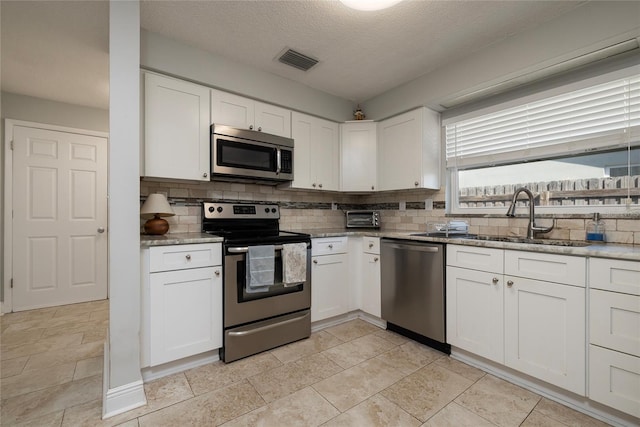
(601, 250)
(178, 239)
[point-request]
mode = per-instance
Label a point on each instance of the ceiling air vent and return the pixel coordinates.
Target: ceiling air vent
(297, 60)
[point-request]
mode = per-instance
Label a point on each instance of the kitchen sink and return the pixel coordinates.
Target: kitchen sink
(531, 241)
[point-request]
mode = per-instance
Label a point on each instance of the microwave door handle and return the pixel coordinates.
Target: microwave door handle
(278, 161)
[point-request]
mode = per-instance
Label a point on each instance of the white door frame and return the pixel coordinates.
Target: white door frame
(9, 125)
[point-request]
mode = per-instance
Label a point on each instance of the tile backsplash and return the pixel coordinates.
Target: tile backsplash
(303, 210)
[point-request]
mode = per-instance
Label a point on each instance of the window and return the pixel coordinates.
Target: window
(574, 150)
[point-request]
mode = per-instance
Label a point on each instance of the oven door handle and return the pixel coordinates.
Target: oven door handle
(245, 249)
(267, 327)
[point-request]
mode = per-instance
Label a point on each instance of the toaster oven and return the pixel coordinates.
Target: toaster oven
(363, 219)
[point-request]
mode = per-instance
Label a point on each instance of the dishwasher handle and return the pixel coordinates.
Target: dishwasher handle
(414, 247)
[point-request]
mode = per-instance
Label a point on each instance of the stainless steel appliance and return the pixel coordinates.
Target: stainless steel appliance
(413, 290)
(254, 322)
(249, 154)
(363, 219)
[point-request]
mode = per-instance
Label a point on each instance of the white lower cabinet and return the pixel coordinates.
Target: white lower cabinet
(614, 334)
(182, 302)
(520, 319)
(329, 278)
(370, 296)
(475, 311)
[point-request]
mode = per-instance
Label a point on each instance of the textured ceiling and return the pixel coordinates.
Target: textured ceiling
(59, 50)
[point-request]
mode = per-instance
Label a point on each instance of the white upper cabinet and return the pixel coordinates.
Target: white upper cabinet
(176, 129)
(240, 112)
(358, 154)
(409, 151)
(316, 154)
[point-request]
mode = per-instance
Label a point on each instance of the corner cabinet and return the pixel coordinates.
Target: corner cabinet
(176, 129)
(358, 154)
(317, 153)
(182, 301)
(409, 151)
(240, 112)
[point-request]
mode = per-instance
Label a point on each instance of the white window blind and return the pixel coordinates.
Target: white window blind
(602, 116)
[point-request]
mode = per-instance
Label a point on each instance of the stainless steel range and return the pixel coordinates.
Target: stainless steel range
(258, 318)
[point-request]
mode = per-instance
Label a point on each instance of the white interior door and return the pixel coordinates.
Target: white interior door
(59, 218)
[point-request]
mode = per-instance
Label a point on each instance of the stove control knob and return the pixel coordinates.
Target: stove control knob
(211, 209)
(219, 209)
(266, 210)
(273, 210)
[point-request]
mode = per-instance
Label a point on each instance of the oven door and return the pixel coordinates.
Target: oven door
(242, 307)
(239, 157)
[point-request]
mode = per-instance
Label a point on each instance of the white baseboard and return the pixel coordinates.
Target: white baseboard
(155, 372)
(119, 399)
(551, 392)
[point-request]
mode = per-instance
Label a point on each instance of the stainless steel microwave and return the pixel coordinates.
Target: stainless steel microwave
(248, 154)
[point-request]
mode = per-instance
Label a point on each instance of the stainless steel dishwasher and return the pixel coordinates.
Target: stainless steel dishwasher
(413, 290)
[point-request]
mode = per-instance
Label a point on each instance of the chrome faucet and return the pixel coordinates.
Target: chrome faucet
(531, 228)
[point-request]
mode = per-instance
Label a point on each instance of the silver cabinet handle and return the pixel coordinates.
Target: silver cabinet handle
(372, 187)
(370, 245)
(330, 246)
(313, 185)
(188, 257)
(204, 175)
(320, 185)
(495, 280)
(375, 259)
(100, 230)
(251, 127)
(217, 272)
(416, 183)
(259, 128)
(509, 283)
(315, 261)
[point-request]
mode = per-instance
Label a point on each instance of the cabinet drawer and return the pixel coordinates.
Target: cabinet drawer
(329, 245)
(614, 379)
(614, 275)
(475, 258)
(371, 245)
(569, 270)
(179, 257)
(615, 321)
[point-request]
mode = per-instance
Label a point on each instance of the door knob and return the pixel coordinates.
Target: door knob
(100, 230)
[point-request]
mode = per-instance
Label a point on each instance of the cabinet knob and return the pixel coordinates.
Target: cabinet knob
(416, 183)
(188, 257)
(373, 188)
(251, 127)
(259, 128)
(313, 185)
(330, 246)
(315, 261)
(509, 283)
(204, 175)
(217, 272)
(100, 230)
(320, 185)
(495, 280)
(375, 259)
(370, 245)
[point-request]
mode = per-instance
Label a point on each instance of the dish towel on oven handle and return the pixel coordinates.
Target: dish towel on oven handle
(260, 268)
(294, 263)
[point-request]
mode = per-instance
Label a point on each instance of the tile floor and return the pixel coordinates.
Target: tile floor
(353, 374)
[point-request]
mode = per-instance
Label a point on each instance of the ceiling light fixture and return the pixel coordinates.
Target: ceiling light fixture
(369, 4)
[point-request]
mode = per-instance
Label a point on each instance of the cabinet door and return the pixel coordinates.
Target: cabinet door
(231, 110)
(545, 331)
(358, 154)
(272, 119)
(325, 160)
(301, 132)
(371, 300)
(474, 312)
(176, 126)
(329, 286)
(400, 152)
(185, 313)
(614, 379)
(614, 321)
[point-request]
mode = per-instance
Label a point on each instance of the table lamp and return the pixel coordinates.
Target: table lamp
(155, 207)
